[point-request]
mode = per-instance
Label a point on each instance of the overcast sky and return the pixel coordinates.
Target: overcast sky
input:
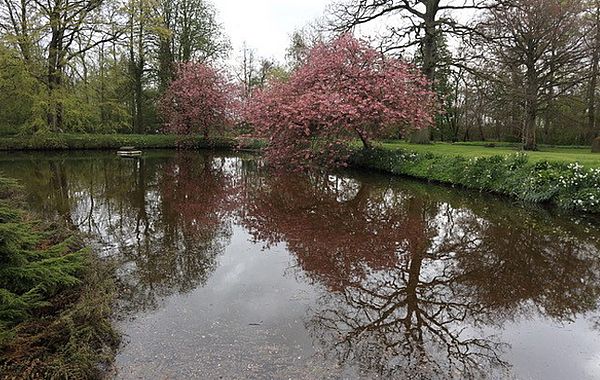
(266, 25)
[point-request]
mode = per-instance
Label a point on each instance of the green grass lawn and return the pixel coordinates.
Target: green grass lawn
(546, 153)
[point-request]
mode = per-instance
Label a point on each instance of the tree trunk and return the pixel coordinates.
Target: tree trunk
(55, 68)
(531, 105)
(25, 39)
(429, 53)
(365, 141)
(103, 110)
(136, 67)
(165, 63)
(139, 99)
(529, 140)
(591, 98)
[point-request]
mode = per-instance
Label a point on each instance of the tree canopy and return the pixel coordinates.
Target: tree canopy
(345, 90)
(199, 100)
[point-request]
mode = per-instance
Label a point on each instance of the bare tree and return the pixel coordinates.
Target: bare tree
(540, 44)
(423, 23)
(247, 70)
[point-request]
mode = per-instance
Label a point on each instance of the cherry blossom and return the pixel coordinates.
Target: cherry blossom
(199, 100)
(345, 91)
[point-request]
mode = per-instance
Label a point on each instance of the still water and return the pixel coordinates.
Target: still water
(229, 271)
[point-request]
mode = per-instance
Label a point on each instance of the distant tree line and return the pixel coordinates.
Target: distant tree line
(97, 65)
(514, 70)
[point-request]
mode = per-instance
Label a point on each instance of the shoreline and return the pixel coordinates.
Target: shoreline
(56, 297)
(66, 142)
(565, 184)
(568, 186)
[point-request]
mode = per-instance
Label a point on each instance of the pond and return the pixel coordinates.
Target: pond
(229, 271)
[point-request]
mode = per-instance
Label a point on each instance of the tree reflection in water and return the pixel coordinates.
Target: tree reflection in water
(165, 219)
(409, 277)
(412, 276)
(181, 228)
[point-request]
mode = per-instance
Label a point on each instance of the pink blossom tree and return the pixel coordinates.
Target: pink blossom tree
(345, 91)
(199, 100)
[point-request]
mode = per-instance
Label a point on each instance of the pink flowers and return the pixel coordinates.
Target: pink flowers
(199, 100)
(345, 91)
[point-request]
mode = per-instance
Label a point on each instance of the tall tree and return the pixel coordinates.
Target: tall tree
(74, 27)
(247, 70)
(540, 41)
(425, 24)
(189, 31)
(140, 21)
(593, 44)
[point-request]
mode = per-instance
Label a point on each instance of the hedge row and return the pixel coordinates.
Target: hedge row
(567, 185)
(92, 141)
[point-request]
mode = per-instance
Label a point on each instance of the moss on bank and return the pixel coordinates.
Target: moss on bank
(55, 298)
(567, 185)
(64, 141)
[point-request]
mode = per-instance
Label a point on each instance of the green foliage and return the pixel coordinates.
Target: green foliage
(22, 100)
(101, 103)
(567, 185)
(29, 274)
(54, 298)
(64, 141)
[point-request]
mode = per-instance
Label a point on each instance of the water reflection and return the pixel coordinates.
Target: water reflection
(163, 218)
(411, 275)
(176, 230)
(409, 280)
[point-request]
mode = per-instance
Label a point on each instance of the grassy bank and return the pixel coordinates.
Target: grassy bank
(582, 155)
(65, 141)
(566, 184)
(55, 298)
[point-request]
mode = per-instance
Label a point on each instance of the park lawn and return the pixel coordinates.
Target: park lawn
(546, 153)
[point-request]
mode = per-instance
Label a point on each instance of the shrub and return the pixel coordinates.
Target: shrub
(569, 186)
(55, 298)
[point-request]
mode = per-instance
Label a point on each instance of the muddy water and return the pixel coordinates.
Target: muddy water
(228, 271)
